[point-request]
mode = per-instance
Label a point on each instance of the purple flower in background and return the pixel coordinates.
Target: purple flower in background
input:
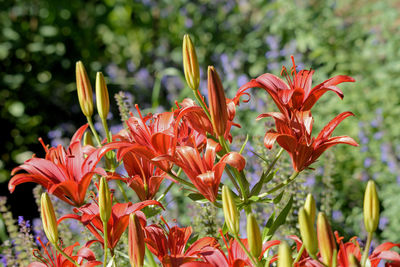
(188, 23)
(367, 162)
(112, 71)
(242, 79)
(272, 42)
(271, 54)
(383, 221)
(130, 65)
(337, 215)
(378, 135)
(384, 152)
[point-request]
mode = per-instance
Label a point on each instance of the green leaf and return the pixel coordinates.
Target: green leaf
(279, 220)
(265, 178)
(278, 198)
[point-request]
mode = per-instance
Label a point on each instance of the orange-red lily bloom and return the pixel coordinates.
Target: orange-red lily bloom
(52, 258)
(89, 216)
(202, 171)
(295, 137)
(170, 246)
(65, 173)
(297, 93)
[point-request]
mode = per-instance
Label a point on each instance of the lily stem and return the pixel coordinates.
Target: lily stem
(96, 135)
(149, 257)
(284, 183)
(121, 188)
(65, 255)
(299, 254)
(277, 156)
(180, 180)
(105, 243)
(254, 261)
(200, 99)
(366, 250)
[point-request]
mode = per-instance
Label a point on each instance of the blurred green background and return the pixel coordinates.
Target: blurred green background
(137, 45)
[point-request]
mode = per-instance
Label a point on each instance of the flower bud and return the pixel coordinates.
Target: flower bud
(136, 241)
(353, 262)
(217, 102)
(307, 232)
(102, 99)
(371, 207)
(105, 201)
(49, 219)
(254, 236)
(310, 207)
(190, 63)
(326, 241)
(231, 213)
(284, 255)
(85, 94)
(87, 139)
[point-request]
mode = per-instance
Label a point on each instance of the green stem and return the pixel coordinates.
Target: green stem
(160, 198)
(299, 254)
(149, 257)
(105, 243)
(284, 183)
(233, 180)
(180, 180)
(121, 188)
(366, 250)
(200, 99)
(95, 134)
(108, 133)
(277, 156)
(65, 255)
(254, 261)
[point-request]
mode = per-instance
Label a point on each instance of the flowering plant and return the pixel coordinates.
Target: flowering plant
(191, 147)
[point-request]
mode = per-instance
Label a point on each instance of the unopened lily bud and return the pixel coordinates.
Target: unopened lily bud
(190, 63)
(105, 201)
(284, 255)
(326, 241)
(254, 236)
(371, 207)
(231, 213)
(87, 139)
(136, 242)
(85, 94)
(217, 102)
(310, 207)
(307, 232)
(102, 99)
(49, 219)
(353, 261)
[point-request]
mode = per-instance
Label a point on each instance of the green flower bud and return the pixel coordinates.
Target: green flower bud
(102, 99)
(49, 219)
(307, 232)
(284, 255)
(254, 236)
(371, 207)
(310, 207)
(136, 241)
(353, 261)
(105, 201)
(231, 213)
(85, 93)
(190, 63)
(326, 241)
(87, 139)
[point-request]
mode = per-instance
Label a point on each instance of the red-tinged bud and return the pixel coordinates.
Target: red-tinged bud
(85, 94)
(284, 255)
(217, 102)
(136, 242)
(371, 207)
(105, 201)
(307, 232)
(254, 236)
(231, 213)
(310, 207)
(102, 99)
(190, 63)
(326, 241)
(49, 219)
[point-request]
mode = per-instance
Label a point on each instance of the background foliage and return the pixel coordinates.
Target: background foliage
(137, 44)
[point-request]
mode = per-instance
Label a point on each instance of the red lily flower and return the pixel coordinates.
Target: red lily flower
(297, 93)
(202, 172)
(215, 257)
(143, 176)
(294, 136)
(89, 216)
(55, 259)
(65, 173)
(169, 246)
(382, 252)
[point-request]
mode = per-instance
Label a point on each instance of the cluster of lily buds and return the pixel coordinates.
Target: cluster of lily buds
(320, 244)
